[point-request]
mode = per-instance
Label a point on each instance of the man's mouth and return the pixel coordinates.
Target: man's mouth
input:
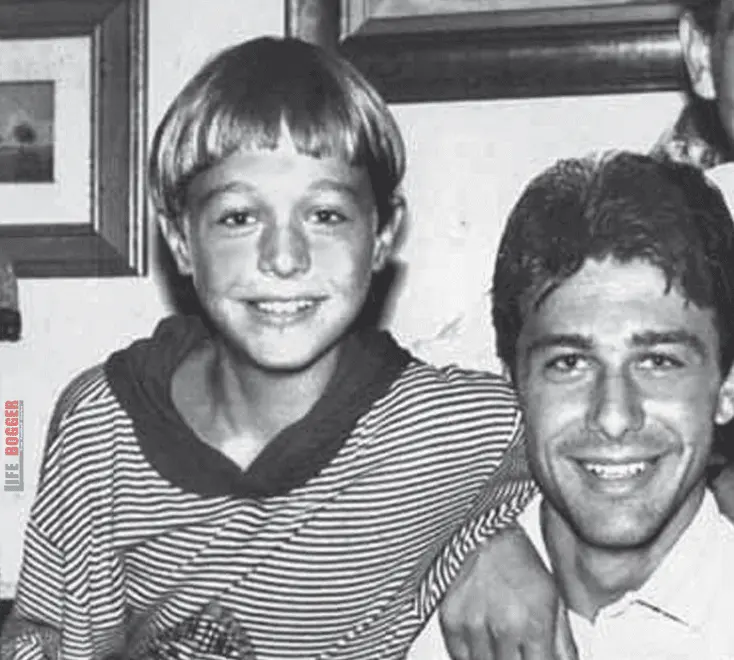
(616, 471)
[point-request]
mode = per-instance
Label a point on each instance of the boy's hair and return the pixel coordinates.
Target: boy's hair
(704, 13)
(244, 98)
(620, 205)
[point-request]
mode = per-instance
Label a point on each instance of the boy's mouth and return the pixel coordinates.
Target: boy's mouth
(285, 307)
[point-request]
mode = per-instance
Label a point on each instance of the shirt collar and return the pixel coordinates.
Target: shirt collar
(685, 580)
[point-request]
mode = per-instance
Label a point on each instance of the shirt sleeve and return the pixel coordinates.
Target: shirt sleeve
(506, 494)
(33, 629)
(69, 602)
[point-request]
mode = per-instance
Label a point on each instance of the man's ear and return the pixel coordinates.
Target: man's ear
(725, 402)
(177, 243)
(696, 46)
(388, 233)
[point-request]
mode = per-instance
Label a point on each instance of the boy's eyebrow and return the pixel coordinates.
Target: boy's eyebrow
(338, 186)
(202, 199)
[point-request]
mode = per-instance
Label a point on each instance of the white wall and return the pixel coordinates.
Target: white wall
(467, 163)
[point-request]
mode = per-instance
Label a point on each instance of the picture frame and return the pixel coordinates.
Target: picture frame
(594, 49)
(112, 240)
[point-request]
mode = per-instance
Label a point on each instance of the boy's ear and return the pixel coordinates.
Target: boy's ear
(388, 233)
(177, 243)
(696, 46)
(725, 402)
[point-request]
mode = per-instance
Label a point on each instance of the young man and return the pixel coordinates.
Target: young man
(613, 300)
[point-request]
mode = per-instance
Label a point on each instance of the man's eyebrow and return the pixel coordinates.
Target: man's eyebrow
(561, 340)
(645, 339)
(685, 337)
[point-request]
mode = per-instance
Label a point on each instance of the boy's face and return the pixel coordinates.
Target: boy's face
(621, 387)
(281, 248)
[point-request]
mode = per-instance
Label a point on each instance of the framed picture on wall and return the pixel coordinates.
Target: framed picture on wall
(72, 138)
(422, 50)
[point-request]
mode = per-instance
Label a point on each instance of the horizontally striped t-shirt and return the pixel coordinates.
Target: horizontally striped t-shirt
(349, 564)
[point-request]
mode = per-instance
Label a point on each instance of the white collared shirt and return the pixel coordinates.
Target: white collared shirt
(685, 610)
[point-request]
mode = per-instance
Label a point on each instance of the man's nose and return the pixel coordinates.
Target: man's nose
(284, 250)
(616, 406)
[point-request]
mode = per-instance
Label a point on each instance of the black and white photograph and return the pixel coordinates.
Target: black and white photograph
(380, 330)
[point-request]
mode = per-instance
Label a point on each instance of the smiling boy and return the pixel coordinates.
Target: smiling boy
(273, 480)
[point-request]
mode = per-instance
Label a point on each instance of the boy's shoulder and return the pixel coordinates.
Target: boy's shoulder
(87, 389)
(421, 375)
(451, 391)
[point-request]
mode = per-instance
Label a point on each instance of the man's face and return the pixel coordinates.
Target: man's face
(621, 387)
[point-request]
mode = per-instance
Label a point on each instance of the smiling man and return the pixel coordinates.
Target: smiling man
(613, 299)
(613, 304)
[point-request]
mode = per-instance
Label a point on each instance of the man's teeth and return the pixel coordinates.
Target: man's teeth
(616, 470)
(284, 306)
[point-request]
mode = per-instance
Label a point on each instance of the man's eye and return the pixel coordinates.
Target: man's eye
(566, 364)
(237, 219)
(659, 362)
(327, 217)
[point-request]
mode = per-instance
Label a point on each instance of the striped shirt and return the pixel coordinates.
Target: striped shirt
(120, 562)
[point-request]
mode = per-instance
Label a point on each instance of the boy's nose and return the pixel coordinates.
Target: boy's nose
(616, 408)
(284, 251)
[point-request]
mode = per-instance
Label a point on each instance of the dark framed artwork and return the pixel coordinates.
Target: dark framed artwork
(72, 137)
(417, 50)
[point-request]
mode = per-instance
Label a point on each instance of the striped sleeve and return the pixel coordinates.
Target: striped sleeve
(496, 507)
(33, 629)
(51, 596)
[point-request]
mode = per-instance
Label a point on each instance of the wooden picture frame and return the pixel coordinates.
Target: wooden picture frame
(504, 54)
(112, 242)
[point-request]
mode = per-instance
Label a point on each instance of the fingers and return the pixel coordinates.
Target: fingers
(564, 646)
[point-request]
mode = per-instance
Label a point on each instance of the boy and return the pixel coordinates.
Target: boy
(275, 481)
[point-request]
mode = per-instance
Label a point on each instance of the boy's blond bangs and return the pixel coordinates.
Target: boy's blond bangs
(248, 96)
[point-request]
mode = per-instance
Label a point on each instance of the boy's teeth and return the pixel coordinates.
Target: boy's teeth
(283, 306)
(615, 470)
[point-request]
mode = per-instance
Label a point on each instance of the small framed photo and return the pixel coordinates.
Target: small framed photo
(72, 137)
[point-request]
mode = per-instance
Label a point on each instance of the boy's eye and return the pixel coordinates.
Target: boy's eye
(327, 217)
(237, 219)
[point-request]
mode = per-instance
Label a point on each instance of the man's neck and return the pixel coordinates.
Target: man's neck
(591, 577)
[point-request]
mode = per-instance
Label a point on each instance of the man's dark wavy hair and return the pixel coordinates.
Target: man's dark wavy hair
(621, 205)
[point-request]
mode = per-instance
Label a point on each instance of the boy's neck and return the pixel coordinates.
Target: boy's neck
(592, 577)
(273, 400)
(238, 409)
